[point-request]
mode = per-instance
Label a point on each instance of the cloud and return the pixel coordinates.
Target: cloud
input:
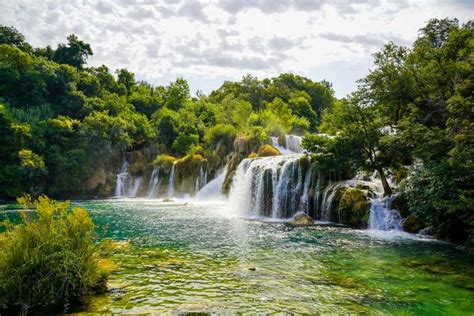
(369, 40)
(163, 39)
(282, 43)
(281, 6)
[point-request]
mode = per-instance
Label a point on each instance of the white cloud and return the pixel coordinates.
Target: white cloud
(220, 40)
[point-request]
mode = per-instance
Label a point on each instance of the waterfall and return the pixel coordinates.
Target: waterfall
(329, 194)
(382, 217)
(317, 195)
(213, 189)
(201, 180)
(154, 182)
(304, 202)
(292, 145)
(137, 182)
(171, 181)
(122, 178)
(268, 186)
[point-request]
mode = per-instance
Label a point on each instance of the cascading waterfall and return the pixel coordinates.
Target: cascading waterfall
(122, 178)
(171, 181)
(154, 182)
(292, 145)
(304, 202)
(329, 194)
(201, 180)
(213, 189)
(136, 184)
(382, 217)
(268, 186)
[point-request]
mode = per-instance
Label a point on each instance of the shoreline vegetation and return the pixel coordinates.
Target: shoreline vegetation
(50, 259)
(69, 131)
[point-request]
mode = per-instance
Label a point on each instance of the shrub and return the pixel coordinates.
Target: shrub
(220, 133)
(267, 150)
(184, 142)
(164, 161)
(49, 259)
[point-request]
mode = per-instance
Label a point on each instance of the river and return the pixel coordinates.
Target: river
(196, 256)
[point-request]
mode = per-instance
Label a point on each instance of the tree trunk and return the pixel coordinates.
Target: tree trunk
(386, 187)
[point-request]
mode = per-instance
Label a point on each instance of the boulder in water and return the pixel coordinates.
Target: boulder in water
(302, 219)
(354, 209)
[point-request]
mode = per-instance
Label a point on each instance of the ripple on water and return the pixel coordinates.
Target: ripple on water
(196, 257)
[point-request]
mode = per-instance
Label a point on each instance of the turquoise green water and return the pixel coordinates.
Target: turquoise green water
(196, 257)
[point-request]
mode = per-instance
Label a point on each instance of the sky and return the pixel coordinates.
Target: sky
(208, 42)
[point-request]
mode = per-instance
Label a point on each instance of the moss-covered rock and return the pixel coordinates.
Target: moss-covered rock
(98, 178)
(231, 168)
(267, 151)
(186, 173)
(252, 155)
(137, 163)
(302, 219)
(241, 146)
(282, 141)
(413, 224)
(354, 208)
(164, 161)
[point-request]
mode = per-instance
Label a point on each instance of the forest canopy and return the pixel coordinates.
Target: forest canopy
(61, 120)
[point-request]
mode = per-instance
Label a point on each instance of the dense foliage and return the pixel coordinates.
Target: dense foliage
(416, 109)
(62, 123)
(50, 259)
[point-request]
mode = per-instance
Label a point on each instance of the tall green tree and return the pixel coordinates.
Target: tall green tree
(74, 53)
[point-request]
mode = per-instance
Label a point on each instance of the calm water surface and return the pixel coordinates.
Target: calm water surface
(187, 257)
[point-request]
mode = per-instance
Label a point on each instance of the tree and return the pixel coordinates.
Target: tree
(126, 78)
(75, 53)
(176, 94)
(10, 36)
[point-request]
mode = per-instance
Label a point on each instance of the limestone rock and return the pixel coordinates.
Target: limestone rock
(302, 219)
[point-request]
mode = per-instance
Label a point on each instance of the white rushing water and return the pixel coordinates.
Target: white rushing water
(171, 182)
(122, 178)
(292, 145)
(154, 182)
(201, 180)
(268, 186)
(213, 189)
(382, 217)
(275, 187)
(136, 183)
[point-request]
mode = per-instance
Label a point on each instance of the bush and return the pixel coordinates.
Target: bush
(50, 259)
(220, 133)
(184, 142)
(164, 161)
(267, 150)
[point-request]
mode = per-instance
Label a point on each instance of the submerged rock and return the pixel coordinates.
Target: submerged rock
(302, 219)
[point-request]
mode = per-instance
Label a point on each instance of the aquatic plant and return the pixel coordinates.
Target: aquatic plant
(49, 259)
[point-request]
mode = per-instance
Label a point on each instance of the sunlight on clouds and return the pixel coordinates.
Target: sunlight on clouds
(160, 40)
